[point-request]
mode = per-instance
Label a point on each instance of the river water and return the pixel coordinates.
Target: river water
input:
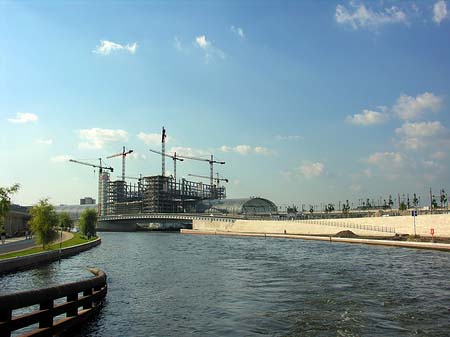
(166, 284)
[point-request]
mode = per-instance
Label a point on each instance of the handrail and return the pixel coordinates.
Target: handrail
(93, 289)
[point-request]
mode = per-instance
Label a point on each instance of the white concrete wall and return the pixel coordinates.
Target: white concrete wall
(401, 224)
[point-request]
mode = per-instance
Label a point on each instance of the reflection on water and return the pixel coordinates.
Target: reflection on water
(172, 285)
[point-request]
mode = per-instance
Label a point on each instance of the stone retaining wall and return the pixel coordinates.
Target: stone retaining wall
(359, 226)
(30, 261)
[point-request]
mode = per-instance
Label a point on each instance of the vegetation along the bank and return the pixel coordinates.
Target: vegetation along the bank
(77, 239)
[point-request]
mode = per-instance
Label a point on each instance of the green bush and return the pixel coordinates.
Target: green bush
(44, 222)
(88, 222)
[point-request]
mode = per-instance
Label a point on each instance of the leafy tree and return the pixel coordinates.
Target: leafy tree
(311, 209)
(44, 222)
(329, 208)
(345, 207)
(415, 200)
(5, 203)
(390, 202)
(65, 221)
(434, 203)
(403, 206)
(88, 222)
(443, 198)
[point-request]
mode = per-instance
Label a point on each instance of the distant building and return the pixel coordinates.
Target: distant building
(74, 211)
(252, 206)
(16, 221)
(87, 201)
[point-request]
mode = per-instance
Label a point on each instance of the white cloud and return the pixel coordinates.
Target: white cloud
(137, 156)
(409, 108)
(177, 44)
(288, 137)
(415, 136)
(61, 158)
(107, 47)
(359, 16)
(238, 31)
(439, 11)
(262, 150)
(153, 138)
(420, 129)
(245, 149)
(202, 42)
(387, 160)
(96, 138)
(311, 170)
(208, 48)
(23, 117)
(189, 152)
(367, 117)
(439, 155)
(44, 141)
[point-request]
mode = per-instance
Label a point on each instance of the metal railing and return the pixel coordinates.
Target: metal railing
(374, 228)
(93, 291)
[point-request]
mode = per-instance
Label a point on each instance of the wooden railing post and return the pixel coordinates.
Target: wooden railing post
(47, 320)
(72, 298)
(5, 316)
(87, 292)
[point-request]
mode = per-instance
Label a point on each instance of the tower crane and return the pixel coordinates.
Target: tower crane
(211, 163)
(174, 157)
(100, 167)
(123, 154)
(218, 179)
(100, 174)
(163, 152)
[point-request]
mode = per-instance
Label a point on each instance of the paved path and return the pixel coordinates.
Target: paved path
(20, 243)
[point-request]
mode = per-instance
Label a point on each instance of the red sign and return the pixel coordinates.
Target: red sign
(432, 231)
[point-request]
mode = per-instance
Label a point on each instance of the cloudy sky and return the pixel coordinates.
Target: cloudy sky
(306, 101)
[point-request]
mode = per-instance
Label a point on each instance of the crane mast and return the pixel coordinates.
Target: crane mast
(163, 152)
(211, 165)
(174, 157)
(101, 190)
(123, 154)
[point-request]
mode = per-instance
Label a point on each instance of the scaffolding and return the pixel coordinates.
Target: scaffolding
(158, 194)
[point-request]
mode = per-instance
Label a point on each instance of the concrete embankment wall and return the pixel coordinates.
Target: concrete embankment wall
(373, 226)
(33, 260)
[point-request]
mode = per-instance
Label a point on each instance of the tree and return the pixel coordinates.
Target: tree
(88, 222)
(44, 222)
(311, 209)
(415, 200)
(390, 202)
(434, 203)
(403, 206)
(345, 207)
(443, 198)
(65, 221)
(329, 208)
(5, 203)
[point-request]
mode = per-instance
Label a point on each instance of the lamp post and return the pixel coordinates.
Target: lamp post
(60, 242)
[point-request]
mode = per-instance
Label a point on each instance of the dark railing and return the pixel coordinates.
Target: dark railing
(93, 291)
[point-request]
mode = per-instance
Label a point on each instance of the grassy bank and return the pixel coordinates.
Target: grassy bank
(76, 240)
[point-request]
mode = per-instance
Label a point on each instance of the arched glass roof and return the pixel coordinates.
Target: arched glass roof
(238, 206)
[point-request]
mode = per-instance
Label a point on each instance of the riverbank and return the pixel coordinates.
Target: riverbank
(331, 239)
(31, 260)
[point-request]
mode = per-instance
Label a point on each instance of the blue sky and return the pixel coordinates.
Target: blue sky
(306, 101)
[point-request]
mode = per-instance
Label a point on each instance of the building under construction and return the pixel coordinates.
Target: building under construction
(154, 194)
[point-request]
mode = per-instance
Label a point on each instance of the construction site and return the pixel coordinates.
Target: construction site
(154, 194)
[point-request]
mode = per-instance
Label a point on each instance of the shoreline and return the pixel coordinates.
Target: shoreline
(331, 239)
(14, 264)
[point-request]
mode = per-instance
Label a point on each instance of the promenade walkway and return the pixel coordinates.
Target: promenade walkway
(21, 243)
